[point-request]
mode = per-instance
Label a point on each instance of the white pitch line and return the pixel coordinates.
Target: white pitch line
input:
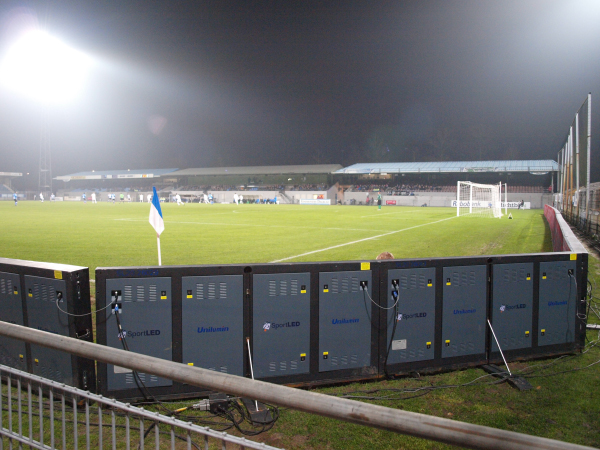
(385, 214)
(253, 225)
(361, 240)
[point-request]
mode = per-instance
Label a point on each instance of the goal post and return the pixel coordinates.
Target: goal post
(482, 200)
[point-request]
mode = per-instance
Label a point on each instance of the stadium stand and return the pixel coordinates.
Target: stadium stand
(432, 183)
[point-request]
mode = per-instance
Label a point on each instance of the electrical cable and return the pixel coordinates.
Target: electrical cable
(567, 334)
(381, 307)
(395, 321)
(136, 377)
(526, 372)
(226, 414)
(367, 310)
(421, 390)
(79, 315)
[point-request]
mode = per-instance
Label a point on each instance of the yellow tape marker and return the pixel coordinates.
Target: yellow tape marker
(365, 266)
(58, 274)
(573, 256)
(190, 364)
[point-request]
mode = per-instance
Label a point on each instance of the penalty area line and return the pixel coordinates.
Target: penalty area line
(362, 240)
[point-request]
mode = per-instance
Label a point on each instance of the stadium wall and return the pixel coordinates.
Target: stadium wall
(563, 238)
(536, 201)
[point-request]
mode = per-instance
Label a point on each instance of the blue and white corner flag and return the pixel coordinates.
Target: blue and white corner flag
(156, 217)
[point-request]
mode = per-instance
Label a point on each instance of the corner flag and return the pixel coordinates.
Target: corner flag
(156, 217)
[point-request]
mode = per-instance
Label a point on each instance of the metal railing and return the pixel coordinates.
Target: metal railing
(43, 414)
(395, 420)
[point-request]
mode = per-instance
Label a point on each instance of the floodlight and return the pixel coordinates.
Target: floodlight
(44, 68)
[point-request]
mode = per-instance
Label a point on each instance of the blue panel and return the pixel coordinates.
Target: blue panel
(146, 321)
(558, 293)
(42, 313)
(281, 324)
(344, 320)
(512, 309)
(464, 311)
(212, 323)
(12, 351)
(413, 338)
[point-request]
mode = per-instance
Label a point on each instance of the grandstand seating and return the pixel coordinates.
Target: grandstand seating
(407, 189)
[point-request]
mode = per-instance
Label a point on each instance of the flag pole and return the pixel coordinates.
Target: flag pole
(158, 243)
(156, 220)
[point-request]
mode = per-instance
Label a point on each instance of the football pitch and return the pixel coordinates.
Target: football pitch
(106, 234)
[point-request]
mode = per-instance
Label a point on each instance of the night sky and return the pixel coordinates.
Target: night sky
(206, 84)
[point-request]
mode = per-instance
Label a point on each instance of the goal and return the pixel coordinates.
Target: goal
(482, 200)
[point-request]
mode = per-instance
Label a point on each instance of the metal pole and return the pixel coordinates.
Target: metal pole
(565, 175)
(470, 198)
(562, 180)
(396, 420)
(570, 181)
(251, 368)
(589, 151)
(577, 161)
(499, 348)
(457, 198)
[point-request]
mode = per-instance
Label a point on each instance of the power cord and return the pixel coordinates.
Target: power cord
(59, 297)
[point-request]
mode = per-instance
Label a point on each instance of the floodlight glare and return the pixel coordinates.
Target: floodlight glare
(42, 67)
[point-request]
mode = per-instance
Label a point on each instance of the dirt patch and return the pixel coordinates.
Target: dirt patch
(274, 439)
(300, 441)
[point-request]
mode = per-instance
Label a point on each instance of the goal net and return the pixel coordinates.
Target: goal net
(483, 200)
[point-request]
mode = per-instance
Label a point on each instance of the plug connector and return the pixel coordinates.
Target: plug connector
(218, 402)
(364, 285)
(203, 405)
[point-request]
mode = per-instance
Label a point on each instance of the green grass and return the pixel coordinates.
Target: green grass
(104, 234)
(564, 407)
